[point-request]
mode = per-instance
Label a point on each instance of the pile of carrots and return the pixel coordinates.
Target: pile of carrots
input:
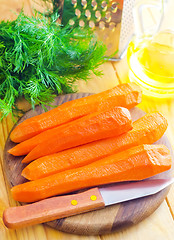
(87, 142)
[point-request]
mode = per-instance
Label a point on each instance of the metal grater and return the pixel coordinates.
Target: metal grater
(112, 21)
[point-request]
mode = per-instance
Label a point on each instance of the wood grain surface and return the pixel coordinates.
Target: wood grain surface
(97, 222)
(160, 224)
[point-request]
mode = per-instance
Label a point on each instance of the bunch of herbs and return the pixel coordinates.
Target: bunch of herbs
(40, 59)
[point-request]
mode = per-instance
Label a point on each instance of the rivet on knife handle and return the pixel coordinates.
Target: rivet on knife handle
(53, 208)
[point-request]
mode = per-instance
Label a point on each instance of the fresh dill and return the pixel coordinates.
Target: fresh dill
(40, 59)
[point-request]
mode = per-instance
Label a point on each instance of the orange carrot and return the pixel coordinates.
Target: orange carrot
(146, 130)
(90, 128)
(26, 146)
(124, 95)
(137, 163)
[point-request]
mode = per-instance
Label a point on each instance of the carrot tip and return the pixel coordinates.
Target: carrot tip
(25, 173)
(11, 151)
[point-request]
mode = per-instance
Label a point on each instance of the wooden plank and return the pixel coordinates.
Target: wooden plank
(8, 11)
(158, 226)
(36, 232)
(4, 197)
(98, 84)
(121, 70)
(39, 5)
(170, 201)
(10, 8)
(53, 234)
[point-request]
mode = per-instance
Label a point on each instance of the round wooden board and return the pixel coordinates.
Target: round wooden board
(97, 222)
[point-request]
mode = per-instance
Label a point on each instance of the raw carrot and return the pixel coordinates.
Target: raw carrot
(137, 163)
(124, 95)
(90, 128)
(146, 130)
(26, 146)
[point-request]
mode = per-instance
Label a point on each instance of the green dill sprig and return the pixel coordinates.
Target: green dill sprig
(39, 59)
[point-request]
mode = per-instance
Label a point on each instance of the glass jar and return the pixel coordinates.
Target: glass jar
(151, 58)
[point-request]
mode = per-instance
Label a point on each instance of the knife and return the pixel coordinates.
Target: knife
(92, 199)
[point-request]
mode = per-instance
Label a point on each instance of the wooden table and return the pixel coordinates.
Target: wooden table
(159, 225)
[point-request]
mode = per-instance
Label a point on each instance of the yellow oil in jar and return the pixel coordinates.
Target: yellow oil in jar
(151, 64)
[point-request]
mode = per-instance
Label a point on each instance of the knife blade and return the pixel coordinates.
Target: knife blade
(92, 199)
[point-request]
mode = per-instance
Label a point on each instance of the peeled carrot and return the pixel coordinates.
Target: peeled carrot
(124, 95)
(90, 128)
(26, 146)
(137, 163)
(146, 130)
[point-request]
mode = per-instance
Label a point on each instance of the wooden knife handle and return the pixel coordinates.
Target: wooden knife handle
(53, 208)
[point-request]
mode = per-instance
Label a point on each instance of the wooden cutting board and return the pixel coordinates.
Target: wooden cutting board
(97, 222)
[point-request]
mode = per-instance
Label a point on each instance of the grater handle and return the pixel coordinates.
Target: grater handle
(138, 18)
